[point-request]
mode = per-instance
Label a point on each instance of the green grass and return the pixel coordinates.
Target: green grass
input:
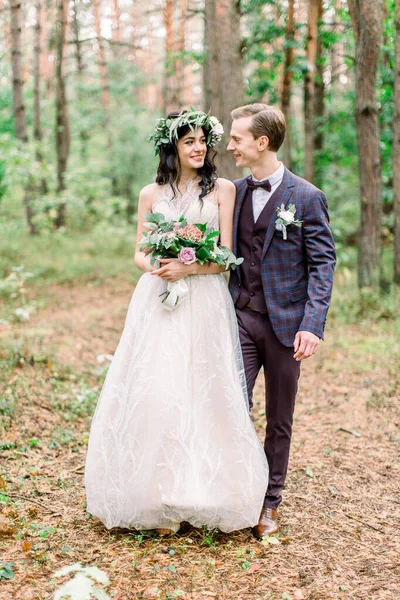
(104, 252)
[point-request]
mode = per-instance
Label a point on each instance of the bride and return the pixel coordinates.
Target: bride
(171, 438)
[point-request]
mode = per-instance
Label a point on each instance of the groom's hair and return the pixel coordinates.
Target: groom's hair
(267, 120)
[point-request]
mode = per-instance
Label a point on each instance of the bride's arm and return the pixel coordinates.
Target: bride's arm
(145, 205)
(173, 269)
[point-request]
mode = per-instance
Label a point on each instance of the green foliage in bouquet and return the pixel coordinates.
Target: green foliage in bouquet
(167, 239)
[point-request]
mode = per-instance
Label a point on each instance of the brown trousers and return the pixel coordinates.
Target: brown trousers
(261, 348)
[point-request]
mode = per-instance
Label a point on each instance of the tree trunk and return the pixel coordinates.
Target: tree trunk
(319, 100)
(223, 72)
(62, 124)
(37, 125)
(180, 49)
(287, 81)
(116, 30)
(171, 98)
(83, 133)
(366, 17)
(16, 64)
(18, 99)
(46, 66)
(338, 67)
(396, 152)
(105, 94)
(309, 88)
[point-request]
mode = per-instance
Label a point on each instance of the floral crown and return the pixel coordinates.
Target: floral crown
(166, 131)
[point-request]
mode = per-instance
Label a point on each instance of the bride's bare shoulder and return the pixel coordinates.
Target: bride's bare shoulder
(226, 189)
(149, 190)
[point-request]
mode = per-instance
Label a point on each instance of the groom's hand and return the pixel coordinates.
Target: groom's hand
(305, 345)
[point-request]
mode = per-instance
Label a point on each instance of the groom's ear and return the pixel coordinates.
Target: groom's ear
(263, 143)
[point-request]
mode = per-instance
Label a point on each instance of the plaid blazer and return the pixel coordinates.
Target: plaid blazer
(296, 273)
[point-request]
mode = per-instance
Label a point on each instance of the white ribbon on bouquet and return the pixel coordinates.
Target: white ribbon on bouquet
(175, 293)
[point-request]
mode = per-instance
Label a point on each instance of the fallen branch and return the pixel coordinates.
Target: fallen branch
(355, 433)
(364, 523)
(33, 502)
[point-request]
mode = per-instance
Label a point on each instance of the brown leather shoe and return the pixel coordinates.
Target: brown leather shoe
(268, 523)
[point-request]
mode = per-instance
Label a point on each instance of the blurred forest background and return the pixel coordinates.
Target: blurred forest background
(82, 83)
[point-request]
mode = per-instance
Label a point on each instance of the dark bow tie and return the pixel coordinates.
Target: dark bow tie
(253, 185)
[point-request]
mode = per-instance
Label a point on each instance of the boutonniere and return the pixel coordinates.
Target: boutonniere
(285, 218)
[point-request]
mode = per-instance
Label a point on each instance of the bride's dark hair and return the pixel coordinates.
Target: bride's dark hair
(169, 168)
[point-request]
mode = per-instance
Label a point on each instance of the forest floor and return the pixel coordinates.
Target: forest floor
(341, 512)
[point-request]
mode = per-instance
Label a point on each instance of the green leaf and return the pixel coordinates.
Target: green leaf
(309, 472)
(171, 568)
(6, 571)
(154, 217)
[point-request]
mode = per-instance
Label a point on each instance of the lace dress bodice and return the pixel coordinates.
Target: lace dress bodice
(188, 204)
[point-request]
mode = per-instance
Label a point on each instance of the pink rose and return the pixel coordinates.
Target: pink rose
(187, 256)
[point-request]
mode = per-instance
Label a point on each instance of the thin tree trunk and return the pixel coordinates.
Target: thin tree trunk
(223, 71)
(309, 89)
(116, 30)
(180, 64)
(319, 101)
(396, 152)
(105, 94)
(47, 66)
(62, 124)
(37, 125)
(211, 62)
(338, 67)
(24, 42)
(83, 133)
(366, 17)
(171, 100)
(37, 128)
(16, 64)
(287, 81)
(21, 132)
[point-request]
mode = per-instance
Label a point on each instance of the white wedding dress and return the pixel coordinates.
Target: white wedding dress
(171, 439)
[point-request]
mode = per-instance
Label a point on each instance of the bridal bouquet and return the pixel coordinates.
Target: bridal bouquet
(188, 243)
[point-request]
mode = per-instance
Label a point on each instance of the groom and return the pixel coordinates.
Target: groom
(283, 288)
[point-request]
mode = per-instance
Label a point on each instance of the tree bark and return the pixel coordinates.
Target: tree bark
(338, 67)
(75, 27)
(21, 132)
(116, 30)
(319, 100)
(287, 81)
(180, 49)
(309, 88)
(16, 65)
(37, 125)
(223, 72)
(396, 151)
(171, 98)
(105, 94)
(62, 124)
(366, 17)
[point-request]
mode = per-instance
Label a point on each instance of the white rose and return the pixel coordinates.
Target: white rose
(287, 216)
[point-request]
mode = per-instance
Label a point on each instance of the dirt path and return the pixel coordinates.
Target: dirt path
(340, 515)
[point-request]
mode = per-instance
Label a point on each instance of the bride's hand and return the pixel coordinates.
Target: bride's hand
(172, 269)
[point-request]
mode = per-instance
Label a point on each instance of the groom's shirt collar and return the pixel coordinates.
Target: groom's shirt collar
(260, 196)
(275, 178)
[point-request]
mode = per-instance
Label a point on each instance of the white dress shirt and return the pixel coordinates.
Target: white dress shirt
(260, 196)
